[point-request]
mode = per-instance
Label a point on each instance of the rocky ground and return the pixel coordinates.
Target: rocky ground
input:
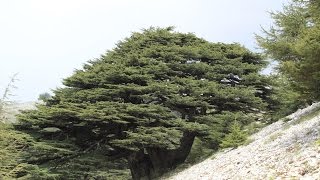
(287, 149)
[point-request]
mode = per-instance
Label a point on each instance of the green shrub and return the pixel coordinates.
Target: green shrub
(235, 138)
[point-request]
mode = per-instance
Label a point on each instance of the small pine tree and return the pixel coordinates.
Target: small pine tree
(235, 138)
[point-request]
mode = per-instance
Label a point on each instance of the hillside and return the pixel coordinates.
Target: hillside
(13, 109)
(287, 149)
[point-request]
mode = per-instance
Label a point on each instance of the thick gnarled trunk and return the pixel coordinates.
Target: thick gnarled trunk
(140, 166)
(152, 163)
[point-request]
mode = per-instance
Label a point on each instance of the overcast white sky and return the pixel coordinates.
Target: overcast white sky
(45, 40)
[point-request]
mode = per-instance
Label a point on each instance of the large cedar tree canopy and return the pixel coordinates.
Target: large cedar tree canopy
(154, 92)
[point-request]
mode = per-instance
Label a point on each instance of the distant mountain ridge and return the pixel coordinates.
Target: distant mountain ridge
(11, 110)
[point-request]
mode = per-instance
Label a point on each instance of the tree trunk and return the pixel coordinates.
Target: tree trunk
(140, 166)
(155, 161)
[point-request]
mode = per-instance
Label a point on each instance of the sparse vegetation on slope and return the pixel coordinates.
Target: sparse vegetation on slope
(277, 152)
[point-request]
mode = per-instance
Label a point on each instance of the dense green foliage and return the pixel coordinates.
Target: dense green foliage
(24, 158)
(12, 146)
(15, 149)
(141, 105)
(295, 42)
(284, 99)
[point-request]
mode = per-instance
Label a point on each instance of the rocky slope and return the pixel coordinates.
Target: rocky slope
(287, 149)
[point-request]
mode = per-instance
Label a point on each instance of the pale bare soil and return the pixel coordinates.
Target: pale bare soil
(282, 150)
